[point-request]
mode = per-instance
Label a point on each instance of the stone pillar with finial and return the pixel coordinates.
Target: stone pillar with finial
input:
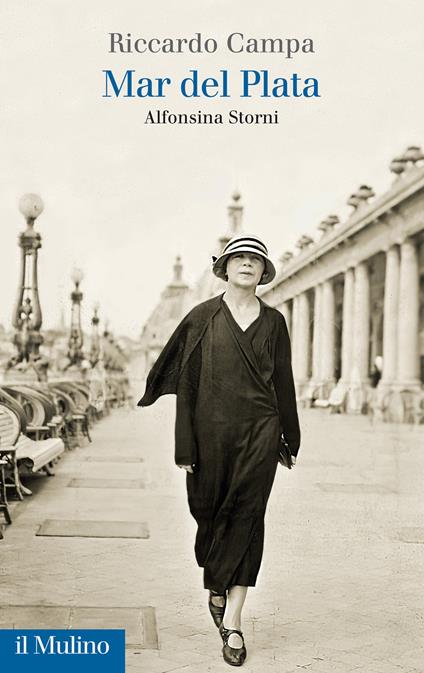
(235, 217)
(177, 285)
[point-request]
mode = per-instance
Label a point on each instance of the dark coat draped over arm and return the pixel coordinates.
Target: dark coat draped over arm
(170, 375)
(164, 376)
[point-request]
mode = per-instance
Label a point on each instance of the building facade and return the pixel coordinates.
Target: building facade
(353, 298)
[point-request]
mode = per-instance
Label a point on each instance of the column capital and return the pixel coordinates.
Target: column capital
(393, 216)
(409, 241)
(353, 263)
(406, 241)
(362, 263)
(391, 245)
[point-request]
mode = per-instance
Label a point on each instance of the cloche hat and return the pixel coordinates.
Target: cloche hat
(244, 243)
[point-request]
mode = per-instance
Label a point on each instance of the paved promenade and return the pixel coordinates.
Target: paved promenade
(341, 584)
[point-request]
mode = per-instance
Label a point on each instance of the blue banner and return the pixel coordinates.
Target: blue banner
(67, 651)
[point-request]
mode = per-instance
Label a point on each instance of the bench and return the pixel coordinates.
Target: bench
(23, 453)
(97, 393)
(4, 505)
(49, 412)
(308, 397)
(38, 455)
(76, 418)
(335, 402)
(405, 406)
(42, 419)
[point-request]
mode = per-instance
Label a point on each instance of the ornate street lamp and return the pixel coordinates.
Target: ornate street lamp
(27, 317)
(113, 357)
(95, 336)
(76, 339)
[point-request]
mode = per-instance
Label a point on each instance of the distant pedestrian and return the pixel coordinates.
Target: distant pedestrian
(229, 364)
(376, 371)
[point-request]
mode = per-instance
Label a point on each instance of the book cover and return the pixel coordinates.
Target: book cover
(137, 140)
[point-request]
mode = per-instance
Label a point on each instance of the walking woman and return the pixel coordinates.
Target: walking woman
(229, 364)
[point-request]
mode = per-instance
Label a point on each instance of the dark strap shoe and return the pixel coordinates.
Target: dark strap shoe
(217, 611)
(235, 656)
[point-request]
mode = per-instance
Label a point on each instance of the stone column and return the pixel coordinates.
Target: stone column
(295, 336)
(303, 339)
(361, 336)
(327, 331)
(316, 344)
(408, 372)
(376, 320)
(285, 309)
(347, 328)
(390, 316)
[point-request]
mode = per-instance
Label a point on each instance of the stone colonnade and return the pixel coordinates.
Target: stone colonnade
(313, 340)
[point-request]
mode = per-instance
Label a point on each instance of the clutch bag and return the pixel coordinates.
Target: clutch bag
(285, 458)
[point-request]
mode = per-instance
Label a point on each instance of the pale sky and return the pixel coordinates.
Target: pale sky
(122, 198)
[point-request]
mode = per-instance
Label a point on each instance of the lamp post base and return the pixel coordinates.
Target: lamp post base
(24, 373)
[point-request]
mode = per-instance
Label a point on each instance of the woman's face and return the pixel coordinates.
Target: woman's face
(245, 269)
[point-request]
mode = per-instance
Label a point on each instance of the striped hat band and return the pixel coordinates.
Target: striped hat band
(248, 243)
(254, 244)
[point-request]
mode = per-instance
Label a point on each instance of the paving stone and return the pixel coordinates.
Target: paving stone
(382, 667)
(111, 459)
(106, 483)
(105, 529)
(413, 535)
(354, 489)
(144, 661)
(139, 623)
(33, 616)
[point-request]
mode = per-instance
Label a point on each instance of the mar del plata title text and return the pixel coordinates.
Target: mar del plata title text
(249, 82)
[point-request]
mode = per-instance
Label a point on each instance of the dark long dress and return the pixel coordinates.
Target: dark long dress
(235, 395)
(237, 427)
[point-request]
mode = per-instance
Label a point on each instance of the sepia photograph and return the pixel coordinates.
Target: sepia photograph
(212, 336)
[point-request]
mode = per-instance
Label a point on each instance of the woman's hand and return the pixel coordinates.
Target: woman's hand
(293, 459)
(187, 468)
